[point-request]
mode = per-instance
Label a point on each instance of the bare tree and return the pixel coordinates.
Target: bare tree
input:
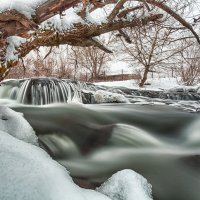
(90, 61)
(155, 46)
(51, 62)
(190, 65)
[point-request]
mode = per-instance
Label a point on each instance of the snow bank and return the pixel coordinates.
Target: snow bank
(127, 185)
(14, 124)
(156, 84)
(102, 96)
(28, 173)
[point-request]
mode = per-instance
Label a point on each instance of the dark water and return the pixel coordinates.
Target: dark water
(94, 141)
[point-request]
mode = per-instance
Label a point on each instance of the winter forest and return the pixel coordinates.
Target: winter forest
(99, 99)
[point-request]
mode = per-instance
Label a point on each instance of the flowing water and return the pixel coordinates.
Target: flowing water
(94, 141)
(41, 91)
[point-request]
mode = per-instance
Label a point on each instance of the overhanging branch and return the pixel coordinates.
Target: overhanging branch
(81, 35)
(15, 23)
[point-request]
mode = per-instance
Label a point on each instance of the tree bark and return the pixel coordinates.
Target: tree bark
(52, 7)
(15, 23)
(144, 78)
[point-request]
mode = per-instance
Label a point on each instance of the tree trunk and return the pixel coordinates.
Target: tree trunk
(144, 78)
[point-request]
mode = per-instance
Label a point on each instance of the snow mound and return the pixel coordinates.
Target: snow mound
(102, 96)
(127, 185)
(14, 124)
(28, 173)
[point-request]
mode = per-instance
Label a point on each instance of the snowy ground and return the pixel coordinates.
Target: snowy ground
(155, 84)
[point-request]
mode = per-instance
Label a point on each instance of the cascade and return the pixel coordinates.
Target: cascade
(41, 91)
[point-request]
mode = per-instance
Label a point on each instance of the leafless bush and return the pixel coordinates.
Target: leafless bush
(190, 75)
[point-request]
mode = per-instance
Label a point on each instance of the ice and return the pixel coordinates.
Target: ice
(102, 96)
(28, 173)
(127, 185)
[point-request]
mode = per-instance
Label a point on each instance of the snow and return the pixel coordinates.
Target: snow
(97, 17)
(14, 124)
(156, 84)
(118, 67)
(69, 18)
(28, 172)
(23, 6)
(62, 23)
(122, 187)
(102, 96)
(13, 43)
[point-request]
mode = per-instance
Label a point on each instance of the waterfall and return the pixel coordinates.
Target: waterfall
(41, 91)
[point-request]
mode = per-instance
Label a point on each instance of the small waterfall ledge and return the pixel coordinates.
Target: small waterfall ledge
(41, 91)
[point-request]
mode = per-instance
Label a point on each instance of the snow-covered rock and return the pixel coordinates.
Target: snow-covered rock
(14, 124)
(127, 185)
(102, 96)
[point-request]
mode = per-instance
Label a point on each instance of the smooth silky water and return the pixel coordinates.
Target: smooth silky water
(94, 141)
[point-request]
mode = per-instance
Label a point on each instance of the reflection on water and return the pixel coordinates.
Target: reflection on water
(94, 141)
